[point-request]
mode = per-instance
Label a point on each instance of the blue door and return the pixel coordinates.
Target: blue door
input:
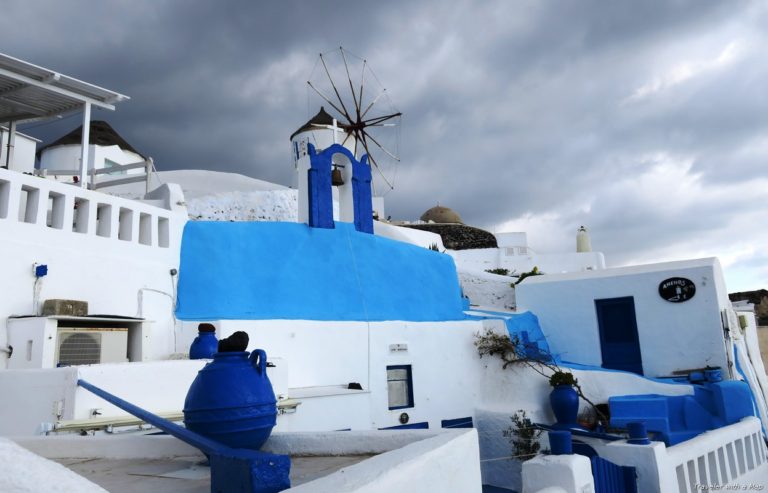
(619, 343)
(612, 478)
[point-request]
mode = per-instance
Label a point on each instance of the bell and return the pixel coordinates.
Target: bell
(336, 179)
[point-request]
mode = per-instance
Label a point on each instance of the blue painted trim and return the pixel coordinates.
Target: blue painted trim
(457, 423)
(320, 189)
(409, 379)
(424, 425)
(362, 198)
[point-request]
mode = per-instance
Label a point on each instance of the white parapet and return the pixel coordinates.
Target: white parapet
(568, 473)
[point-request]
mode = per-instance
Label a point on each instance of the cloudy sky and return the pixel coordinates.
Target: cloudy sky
(645, 121)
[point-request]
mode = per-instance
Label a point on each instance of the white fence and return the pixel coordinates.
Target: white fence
(47, 203)
(718, 457)
(94, 174)
(730, 458)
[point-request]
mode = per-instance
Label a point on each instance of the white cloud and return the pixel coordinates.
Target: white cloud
(688, 69)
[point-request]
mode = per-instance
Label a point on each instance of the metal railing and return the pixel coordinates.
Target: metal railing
(94, 174)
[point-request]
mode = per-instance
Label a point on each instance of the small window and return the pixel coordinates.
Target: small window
(400, 386)
(111, 164)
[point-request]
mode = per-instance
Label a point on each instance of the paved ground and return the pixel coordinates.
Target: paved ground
(185, 474)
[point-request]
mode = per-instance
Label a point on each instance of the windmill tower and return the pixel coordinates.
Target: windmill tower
(356, 114)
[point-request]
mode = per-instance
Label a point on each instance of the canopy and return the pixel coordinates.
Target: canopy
(29, 92)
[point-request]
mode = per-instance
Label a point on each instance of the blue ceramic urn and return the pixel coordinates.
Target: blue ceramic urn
(205, 344)
(565, 404)
(231, 400)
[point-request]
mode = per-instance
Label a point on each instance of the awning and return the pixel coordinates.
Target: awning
(29, 92)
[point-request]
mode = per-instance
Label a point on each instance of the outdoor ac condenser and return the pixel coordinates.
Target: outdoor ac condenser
(87, 346)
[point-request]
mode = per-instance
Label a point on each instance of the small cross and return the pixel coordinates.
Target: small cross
(336, 129)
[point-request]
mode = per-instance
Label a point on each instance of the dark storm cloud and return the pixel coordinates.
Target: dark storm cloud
(554, 113)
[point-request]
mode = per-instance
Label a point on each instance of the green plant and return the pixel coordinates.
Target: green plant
(511, 350)
(523, 436)
(562, 378)
(498, 271)
(533, 272)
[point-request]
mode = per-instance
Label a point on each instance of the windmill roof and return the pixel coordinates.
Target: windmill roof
(101, 133)
(321, 118)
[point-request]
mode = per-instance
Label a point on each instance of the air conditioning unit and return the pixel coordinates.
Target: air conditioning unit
(88, 346)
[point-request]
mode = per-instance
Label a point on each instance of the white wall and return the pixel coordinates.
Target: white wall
(115, 276)
(23, 151)
(56, 395)
(405, 460)
(518, 239)
(408, 235)
(673, 336)
(446, 462)
(481, 259)
(333, 354)
(67, 157)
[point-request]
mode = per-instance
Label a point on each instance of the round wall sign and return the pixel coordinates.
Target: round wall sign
(677, 289)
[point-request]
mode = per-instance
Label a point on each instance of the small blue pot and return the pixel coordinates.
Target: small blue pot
(565, 404)
(204, 346)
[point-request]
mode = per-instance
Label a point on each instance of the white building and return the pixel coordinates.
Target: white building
(106, 150)
(22, 155)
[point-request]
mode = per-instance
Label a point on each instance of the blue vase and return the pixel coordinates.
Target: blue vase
(565, 404)
(231, 400)
(204, 345)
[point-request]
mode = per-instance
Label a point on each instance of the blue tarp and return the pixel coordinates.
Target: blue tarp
(271, 270)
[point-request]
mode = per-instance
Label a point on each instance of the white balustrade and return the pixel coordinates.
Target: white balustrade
(44, 203)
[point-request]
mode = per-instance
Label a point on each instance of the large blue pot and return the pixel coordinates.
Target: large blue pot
(231, 400)
(565, 404)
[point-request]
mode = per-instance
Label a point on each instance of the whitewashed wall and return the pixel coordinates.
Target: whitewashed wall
(408, 461)
(67, 157)
(129, 277)
(23, 152)
(57, 396)
(673, 336)
(323, 357)
(482, 259)
(408, 235)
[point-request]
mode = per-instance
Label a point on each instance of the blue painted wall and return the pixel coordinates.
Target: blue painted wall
(270, 270)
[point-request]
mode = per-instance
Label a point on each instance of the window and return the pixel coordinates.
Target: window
(400, 386)
(111, 164)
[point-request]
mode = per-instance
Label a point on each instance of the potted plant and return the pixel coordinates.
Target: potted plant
(564, 399)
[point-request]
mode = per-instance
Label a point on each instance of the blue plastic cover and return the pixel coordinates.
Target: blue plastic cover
(527, 322)
(271, 270)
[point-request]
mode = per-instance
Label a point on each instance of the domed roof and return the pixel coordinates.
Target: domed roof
(441, 215)
(317, 122)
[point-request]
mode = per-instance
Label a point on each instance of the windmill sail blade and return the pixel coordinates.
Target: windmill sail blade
(349, 78)
(362, 80)
(345, 112)
(381, 147)
(376, 165)
(381, 119)
(327, 100)
(346, 137)
(383, 91)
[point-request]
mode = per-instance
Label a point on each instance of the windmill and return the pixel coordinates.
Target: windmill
(362, 117)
